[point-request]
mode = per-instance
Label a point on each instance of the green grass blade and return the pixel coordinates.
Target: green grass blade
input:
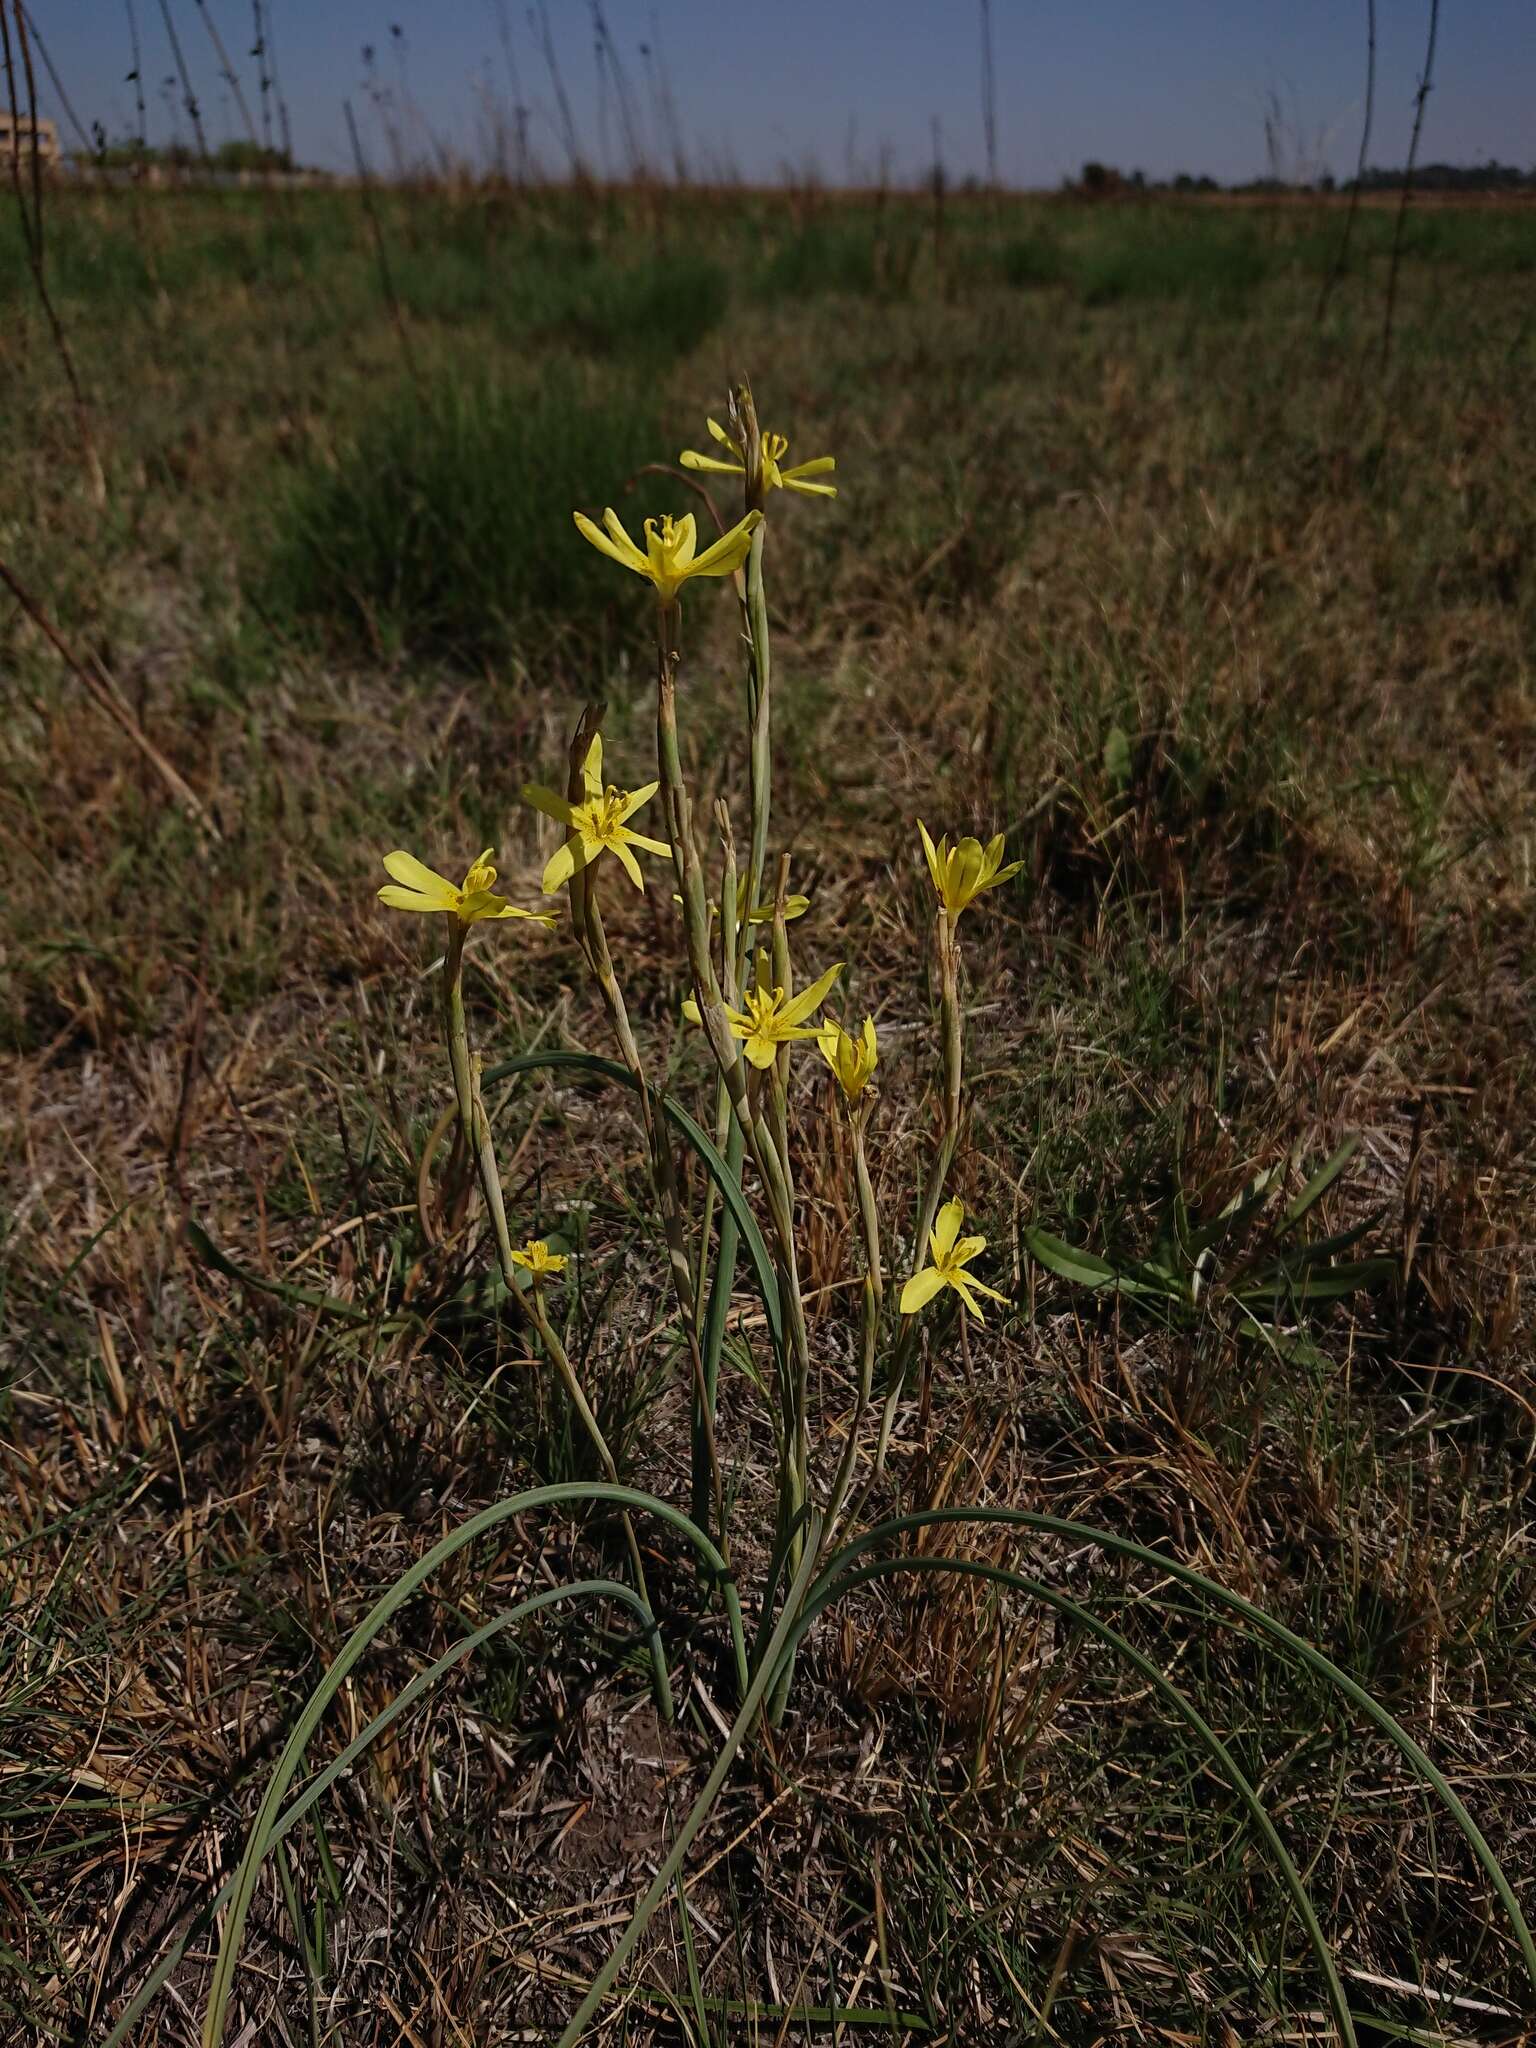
(1322, 1180)
(321, 1783)
(780, 1648)
(721, 1283)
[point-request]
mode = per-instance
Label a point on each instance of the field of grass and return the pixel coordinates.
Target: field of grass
(1230, 629)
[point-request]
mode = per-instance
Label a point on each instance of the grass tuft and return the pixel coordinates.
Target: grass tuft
(444, 524)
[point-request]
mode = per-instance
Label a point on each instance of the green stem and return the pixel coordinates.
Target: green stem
(472, 1118)
(756, 1135)
(953, 1028)
(698, 1813)
(874, 1294)
(663, 1174)
(477, 1136)
(759, 701)
(723, 1279)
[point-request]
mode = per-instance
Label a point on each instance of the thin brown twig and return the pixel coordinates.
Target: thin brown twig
(188, 96)
(1426, 86)
(381, 252)
(109, 698)
(32, 231)
(1336, 271)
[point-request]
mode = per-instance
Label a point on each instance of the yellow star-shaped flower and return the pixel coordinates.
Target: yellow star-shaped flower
(775, 476)
(851, 1059)
(951, 1254)
(537, 1258)
(599, 824)
(771, 1019)
(670, 557)
(418, 887)
(962, 872)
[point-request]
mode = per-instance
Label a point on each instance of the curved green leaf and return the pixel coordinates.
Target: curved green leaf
(1322, 1180)
(1084, 1269)
(1256, 1617)
(1164, 1686)
(321, 1783)
(382, 1611)
(282, 1290)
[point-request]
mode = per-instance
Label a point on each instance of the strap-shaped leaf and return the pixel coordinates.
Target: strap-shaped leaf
(1322, 1180)
(1087, 1269)
(377, 1618)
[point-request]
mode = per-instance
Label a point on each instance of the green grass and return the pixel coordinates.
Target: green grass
(443, 525)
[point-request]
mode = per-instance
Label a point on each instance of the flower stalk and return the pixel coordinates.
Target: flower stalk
(587, 922)
(715, 1019)
(946, 1142)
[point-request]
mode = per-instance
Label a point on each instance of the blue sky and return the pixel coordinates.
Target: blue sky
(1177, 85)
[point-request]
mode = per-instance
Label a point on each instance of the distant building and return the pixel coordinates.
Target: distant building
(16, 137)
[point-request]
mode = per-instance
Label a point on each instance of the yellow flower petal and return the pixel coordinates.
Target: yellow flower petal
(656, 846)
(627, 555)
(480, 903)
(947, 1228)
(410, 899)
(962, 1286)
(719, 433)
(920, 1290)
(549, 801)
(979, 1287)
(935, 868)
(405, 867)
(817, 466)
(794, 483)
(801, 1006)
(691, 459)
(563, 863)
(729, 551)
(685, 541)
(635, 799)
(630, 865)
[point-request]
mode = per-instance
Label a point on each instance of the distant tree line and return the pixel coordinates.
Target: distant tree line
(131, 154)
(1103, 181)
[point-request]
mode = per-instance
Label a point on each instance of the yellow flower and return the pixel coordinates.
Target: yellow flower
(425, 890)
(951, 1255)
(772, 1019)
(669, 558)
(775, 477)
(537, 1258)
(961, 872)
(794, 906)
(597, 825)
(851, 1059)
